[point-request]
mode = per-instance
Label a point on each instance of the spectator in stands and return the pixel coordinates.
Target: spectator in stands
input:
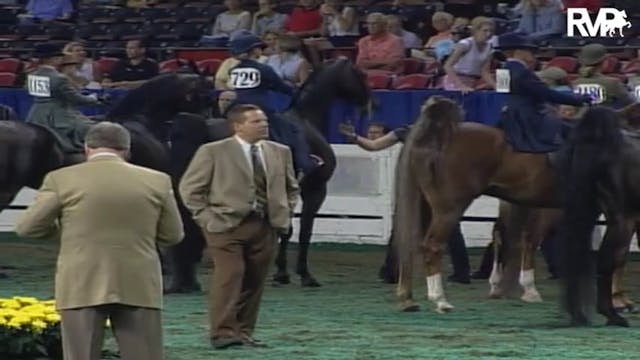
(270, 39)
(225, 99)
(68, 67)
(266, 19)
(605, 90)
(442, 22)
(541, 19)
(48, 10)
(376, 130)
(410, 40)
(591, 5)
(230, 21)
(222, 75)
(87, 72)
(133, 71)
(338, 19)
(305, 19)
(471, 58)
(380, 50)
(289, 63)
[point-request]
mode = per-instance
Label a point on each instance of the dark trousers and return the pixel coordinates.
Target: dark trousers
(458, 253)
(241, 257)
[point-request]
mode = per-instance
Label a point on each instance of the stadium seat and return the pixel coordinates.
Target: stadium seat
(632, 67)
(95, 15)
(60, 31)
(10, 65)
(432, 67)
(209, 66)
(378, 81)
(170, 65)
(610, 65)
(7, 79)
(412, 81)
(566, 63)
(128, 15)
(412, 66)
(106, 63)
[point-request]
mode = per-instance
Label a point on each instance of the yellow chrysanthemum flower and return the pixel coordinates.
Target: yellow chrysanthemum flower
(12, 304)
(26, 300)
(38, 326)
(3, 321)
(52, 318)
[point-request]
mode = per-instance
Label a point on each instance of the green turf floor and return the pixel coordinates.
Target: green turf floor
(353, 316)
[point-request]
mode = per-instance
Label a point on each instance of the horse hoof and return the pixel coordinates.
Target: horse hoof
(495, 293)
(309, 281)
(617, 321)
(282, 278)
(531, 297)
(443, 307)
(409, 306)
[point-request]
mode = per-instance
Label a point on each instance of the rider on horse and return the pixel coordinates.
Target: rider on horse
(252, 81)
(56, 99)
(527, 126)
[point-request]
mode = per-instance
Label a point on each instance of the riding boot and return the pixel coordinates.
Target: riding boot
(550, 253)
(459, 257)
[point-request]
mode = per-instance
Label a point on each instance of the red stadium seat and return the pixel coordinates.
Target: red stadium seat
(566, 63)
(170, 65)
(610, 65)
(10, 65)
(106, 63)
(209, 66)
(379, 72)
(378, 81)
(412, 81)
(412, 66)
(632, 67)
(7, 79)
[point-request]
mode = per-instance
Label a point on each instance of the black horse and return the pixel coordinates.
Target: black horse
(600, 167)
(28, 152)
(310, 107)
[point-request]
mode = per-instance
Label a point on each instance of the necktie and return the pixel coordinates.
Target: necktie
(260, 180)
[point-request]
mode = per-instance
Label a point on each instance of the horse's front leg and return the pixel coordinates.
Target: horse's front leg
(621, 300)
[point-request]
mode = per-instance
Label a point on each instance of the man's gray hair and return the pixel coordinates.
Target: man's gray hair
(108, 135)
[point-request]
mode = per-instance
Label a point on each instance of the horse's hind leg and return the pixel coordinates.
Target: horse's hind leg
(442, 224)
(621, 301)
(312, 199)
(537, 227)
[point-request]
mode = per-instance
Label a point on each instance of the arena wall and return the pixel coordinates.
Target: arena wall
(359, 205)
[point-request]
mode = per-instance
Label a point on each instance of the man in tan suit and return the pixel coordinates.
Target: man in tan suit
(109, 216)
(242, 192)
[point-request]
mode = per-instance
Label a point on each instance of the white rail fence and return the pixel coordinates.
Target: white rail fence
(359, 204)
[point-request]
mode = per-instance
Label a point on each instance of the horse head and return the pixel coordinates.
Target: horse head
(337, 79)
(196, 93)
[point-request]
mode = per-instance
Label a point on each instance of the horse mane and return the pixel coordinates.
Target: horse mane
(315, 77)
(590, 176)
(152, 94)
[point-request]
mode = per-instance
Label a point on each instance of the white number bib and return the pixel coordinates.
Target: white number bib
(596, 91)
(636, 91)
(503, 81)
(244, 78)
(39, 86)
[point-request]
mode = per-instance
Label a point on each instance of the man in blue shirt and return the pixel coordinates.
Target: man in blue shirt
(252, 82)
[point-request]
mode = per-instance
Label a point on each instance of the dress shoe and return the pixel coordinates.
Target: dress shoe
(227, 341)
(459, 279)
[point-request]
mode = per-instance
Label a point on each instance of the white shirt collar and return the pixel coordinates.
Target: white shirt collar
(105, 154)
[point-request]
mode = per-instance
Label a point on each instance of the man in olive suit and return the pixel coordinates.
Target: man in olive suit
(242, 192)
(110, 216)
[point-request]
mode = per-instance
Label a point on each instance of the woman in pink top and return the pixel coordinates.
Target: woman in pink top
(471, 58)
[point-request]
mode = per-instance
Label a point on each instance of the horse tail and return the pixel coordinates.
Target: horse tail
(588, 162)
(409, 218)
(433, 131)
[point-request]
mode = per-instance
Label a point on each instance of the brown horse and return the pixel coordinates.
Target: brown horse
(444, 166)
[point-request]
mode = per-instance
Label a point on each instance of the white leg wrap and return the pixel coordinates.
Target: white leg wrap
(527, 279)
(494, 281)
(528, 283)
(435, 292)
